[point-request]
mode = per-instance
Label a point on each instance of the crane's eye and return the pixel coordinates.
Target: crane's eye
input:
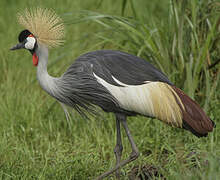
(30, 43)
(23, 35)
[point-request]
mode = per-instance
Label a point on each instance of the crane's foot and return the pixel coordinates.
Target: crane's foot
(133, 156)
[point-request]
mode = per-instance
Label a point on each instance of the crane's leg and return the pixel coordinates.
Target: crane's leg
(134, 154)
(118, 148)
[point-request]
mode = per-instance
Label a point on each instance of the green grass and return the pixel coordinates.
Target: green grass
(36, 141)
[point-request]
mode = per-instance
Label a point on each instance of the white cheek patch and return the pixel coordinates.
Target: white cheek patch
(30, 43)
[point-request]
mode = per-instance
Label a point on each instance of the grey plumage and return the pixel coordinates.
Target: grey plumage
(79, 88)
(125, 67)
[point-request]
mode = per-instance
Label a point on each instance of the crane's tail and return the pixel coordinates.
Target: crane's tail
(175, 108)
(194, 118)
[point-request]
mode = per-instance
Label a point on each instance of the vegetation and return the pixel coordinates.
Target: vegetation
(179, 37)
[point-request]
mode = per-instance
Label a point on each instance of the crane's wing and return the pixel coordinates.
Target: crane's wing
(122, 66)
(123, 83)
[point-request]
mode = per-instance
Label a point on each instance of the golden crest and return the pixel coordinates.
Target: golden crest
(44, 24)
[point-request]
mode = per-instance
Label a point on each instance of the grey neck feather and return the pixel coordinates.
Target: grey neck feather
(47, 82)
(79, 92)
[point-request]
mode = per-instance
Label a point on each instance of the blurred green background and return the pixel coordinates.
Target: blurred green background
(179, 37)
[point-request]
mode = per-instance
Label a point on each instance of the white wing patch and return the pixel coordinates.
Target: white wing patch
(130, 97)
(154, 99)
(119, 82)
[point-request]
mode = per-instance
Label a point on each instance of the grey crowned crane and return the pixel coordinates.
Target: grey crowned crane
(116, 81)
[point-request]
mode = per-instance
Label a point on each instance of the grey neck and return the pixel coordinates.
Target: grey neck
(47, 82)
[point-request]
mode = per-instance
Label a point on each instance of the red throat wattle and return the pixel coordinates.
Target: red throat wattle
(35, 59)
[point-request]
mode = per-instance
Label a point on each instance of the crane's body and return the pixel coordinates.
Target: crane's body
(90, 79)
(117, 82)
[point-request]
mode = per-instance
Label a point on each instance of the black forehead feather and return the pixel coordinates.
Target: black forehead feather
(23, 35)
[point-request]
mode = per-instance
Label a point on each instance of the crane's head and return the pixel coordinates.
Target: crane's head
(27, 41)
(42, 26)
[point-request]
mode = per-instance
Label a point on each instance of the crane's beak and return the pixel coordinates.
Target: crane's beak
(18, 46)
